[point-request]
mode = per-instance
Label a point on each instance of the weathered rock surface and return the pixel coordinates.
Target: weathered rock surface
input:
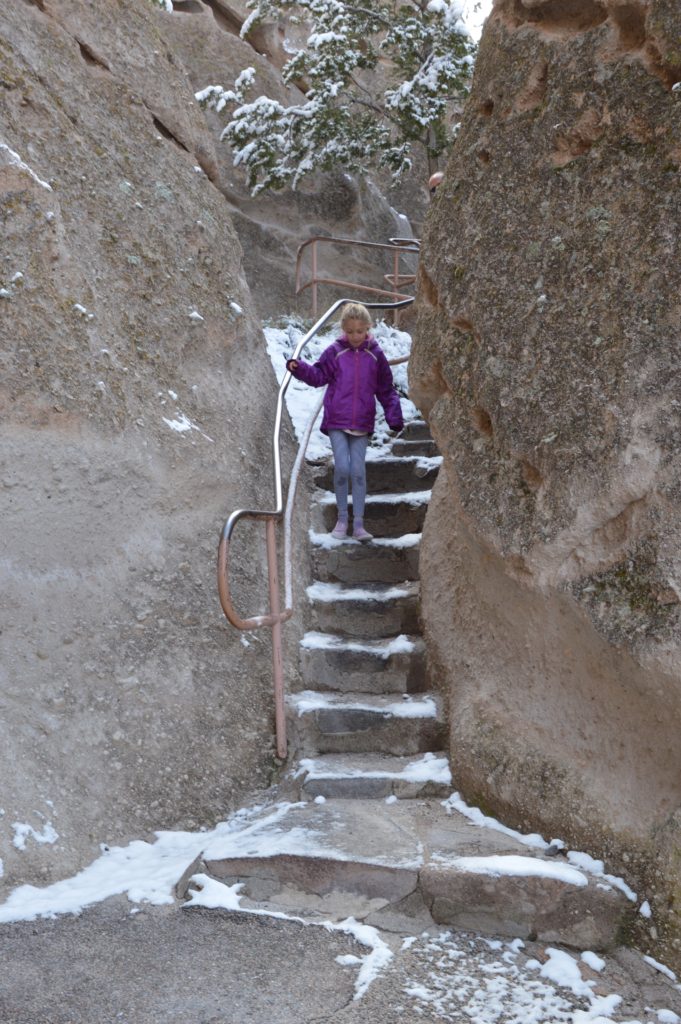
(131, 359)
(548, 363)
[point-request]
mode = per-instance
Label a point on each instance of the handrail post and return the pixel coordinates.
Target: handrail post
(314, 280)
(396, 278)
(277, 663)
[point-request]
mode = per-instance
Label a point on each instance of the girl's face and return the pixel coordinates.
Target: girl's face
(355, 331)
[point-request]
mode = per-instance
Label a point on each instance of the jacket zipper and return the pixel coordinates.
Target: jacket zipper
(354, 392)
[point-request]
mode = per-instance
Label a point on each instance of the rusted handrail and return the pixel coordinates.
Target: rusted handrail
(397, 246)
(270, 517)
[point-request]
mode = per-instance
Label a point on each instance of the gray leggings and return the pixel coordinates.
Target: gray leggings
(349, 452)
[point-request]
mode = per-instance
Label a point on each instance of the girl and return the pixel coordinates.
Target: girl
(357, 373)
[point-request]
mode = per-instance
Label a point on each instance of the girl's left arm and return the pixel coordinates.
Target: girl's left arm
(387, 394)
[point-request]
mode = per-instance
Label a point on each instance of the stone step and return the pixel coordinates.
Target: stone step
(426, 448)
(369, 610)
(343, 665)
(333, 723)
(374, 776)
(383, 560)
(415, 430)
(384, 515)
(389, 475)
(409, 861)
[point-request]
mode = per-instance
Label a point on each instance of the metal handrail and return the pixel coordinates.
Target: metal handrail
(270, 517)
(397, 246)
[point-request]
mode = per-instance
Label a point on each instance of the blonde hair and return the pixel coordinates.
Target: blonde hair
(355, 311)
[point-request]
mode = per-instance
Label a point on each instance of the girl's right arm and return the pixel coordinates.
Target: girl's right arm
(316, 374)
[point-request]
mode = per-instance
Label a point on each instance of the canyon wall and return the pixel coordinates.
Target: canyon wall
(548, 362)
(136, 402)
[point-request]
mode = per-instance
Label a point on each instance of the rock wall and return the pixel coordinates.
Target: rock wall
(548, 362)
(136, 400)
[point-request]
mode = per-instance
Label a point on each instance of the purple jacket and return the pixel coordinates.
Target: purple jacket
(355, 378)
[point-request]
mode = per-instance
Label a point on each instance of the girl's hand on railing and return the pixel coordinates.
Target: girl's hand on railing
(292, 365)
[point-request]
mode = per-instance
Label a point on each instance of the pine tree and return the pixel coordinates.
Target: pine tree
(378, 79)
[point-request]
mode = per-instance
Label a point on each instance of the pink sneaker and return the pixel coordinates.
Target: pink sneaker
(359, 533)
(340, 530)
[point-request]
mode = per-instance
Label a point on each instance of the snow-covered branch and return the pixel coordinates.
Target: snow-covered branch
(423, 46)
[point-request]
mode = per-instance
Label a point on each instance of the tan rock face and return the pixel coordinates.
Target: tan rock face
(548, 362)
(136, 398)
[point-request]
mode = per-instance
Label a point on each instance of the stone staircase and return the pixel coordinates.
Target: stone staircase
(362, 667)
(359, 828)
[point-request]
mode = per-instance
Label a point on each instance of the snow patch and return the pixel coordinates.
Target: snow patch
(593, 961)
(581, 861)
(24, 832)
(14, 160)
(182, 424)
(517, 867)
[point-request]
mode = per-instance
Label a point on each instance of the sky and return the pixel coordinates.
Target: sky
(475, 12)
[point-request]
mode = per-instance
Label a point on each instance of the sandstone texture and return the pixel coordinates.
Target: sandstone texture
(136, 402)
(548, 363)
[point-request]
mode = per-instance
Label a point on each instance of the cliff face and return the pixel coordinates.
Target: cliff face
(548, 361)
(131, 362)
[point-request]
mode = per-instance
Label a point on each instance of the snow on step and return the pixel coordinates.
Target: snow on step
(377, 648)
(406, 498)
(407, 540)
(386, 665)
(363, 723)
(428, 768)
(319, 848)
(424, 447)
(386, 560)
(310, 701)
(372, 776)
(369, 610)
(469, 877)
(390, 473)
(382, 518)
(326, 540)
(415, 430)
(332, 593)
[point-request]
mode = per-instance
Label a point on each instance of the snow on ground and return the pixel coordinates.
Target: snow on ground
(449, 977)
(301, 399)
(452, 977)
(23, 832)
